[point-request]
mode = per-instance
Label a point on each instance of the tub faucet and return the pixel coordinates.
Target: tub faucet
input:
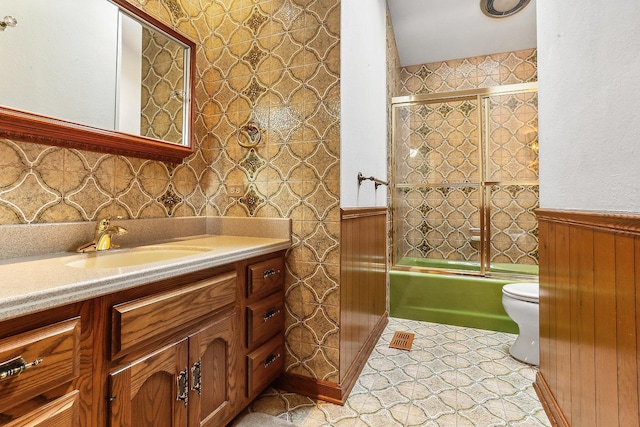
(102, 237)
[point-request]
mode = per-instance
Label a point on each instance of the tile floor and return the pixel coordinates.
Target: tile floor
(453, 376)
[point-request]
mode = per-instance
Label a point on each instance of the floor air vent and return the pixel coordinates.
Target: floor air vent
(402, 340)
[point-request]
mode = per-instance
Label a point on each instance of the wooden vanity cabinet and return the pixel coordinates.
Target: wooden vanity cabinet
(189, 351)
(189, 381)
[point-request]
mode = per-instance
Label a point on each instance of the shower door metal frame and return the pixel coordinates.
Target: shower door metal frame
(485, 211)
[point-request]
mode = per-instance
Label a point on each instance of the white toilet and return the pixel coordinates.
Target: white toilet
(520, 301)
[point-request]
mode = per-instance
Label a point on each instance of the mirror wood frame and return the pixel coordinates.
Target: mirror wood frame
(37, 128)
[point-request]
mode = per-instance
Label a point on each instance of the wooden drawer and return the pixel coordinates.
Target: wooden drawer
(60, 412)
(265, 318)
(144, 320)
(55, 348)
(265, 364)
(265, 277)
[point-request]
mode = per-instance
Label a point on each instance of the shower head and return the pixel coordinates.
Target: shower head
(502, 8)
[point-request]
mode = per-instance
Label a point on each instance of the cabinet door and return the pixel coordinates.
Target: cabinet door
(152, 391)
(214, 380)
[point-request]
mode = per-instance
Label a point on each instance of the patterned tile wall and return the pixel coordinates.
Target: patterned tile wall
(470, 73)
(437, 144)
(275, 62)
(162, 87)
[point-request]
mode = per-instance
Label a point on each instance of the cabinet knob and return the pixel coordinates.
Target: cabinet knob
(15, 366)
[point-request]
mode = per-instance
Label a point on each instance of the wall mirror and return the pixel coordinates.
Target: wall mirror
(98, 75)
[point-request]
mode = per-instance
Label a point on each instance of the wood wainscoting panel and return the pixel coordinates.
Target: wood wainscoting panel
(363, 271)
(589, 318)
(626, 332)
(545, 301)
(605, 327)
(582, 327)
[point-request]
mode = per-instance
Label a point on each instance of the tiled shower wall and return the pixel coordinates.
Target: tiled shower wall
(276, 62)
(470, 73)
(436, 144)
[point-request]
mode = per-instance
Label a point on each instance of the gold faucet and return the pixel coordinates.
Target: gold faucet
(102, 237)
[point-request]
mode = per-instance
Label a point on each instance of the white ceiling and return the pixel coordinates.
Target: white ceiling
(439, 30)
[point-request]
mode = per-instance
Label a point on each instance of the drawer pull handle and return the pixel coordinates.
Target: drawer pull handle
(269, 273)
(15, 366)
(269, 314)
(196, 377)
(183, 387)
(269, 360)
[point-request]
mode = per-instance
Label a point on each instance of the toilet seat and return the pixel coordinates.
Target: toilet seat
(528, 292)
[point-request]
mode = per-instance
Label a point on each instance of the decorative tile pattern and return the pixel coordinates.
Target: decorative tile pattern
(254, 90)
(251, 200)
(453, 376)
(252, 163)
(162, 87)
(170, 200)
(174, 8)
(254, 56)
(470, 73)
(256, 20)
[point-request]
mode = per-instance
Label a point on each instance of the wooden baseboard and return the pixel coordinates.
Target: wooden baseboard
(551, 407)
(310, 387)
(330, 391)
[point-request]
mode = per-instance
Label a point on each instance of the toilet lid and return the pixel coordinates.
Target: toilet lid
(522, 291)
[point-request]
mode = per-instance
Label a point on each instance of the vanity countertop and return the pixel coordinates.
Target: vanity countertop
(37, 283)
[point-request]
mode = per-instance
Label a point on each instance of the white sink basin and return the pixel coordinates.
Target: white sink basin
(137, 256)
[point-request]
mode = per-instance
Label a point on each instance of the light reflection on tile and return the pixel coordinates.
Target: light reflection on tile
(467, 379)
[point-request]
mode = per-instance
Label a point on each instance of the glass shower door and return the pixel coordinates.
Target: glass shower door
(510, 144)
(437, 197)
(465, 181)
